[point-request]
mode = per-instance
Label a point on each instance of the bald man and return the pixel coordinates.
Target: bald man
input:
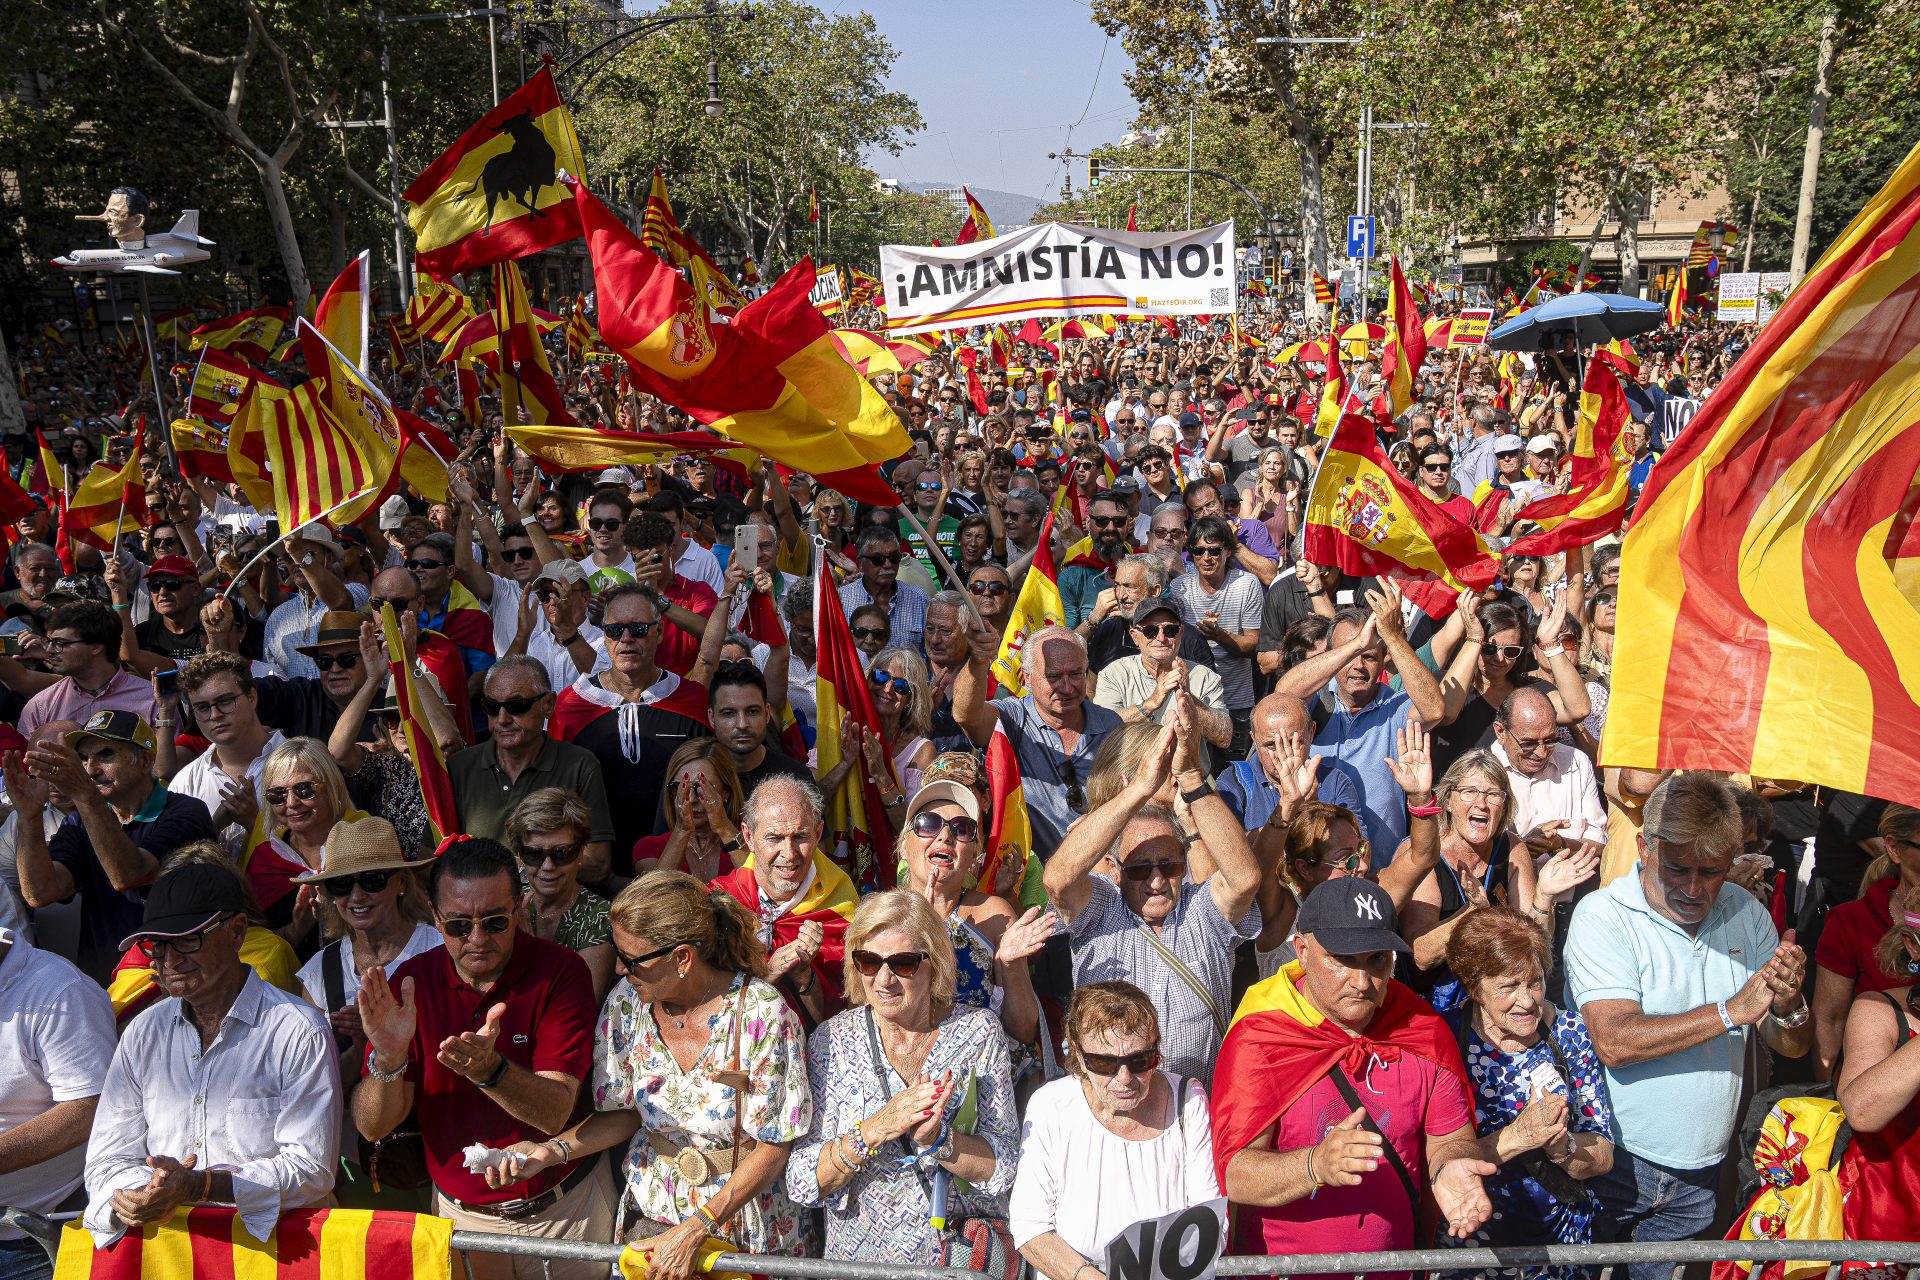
(1248, 786)
(1556, 802)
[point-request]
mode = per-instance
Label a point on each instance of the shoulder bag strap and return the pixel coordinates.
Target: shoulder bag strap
(1186, 975)
(1352, 1099)
(333, 974)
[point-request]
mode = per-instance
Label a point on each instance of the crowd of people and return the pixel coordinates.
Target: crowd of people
(1332, 909)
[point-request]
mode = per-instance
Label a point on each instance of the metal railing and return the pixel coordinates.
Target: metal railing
(1599, 1260)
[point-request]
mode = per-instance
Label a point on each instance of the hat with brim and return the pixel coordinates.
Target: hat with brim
(1151, 605)
(933, 793)
(371, 844)
(187, 900)
(1351, 916)
(339, 629)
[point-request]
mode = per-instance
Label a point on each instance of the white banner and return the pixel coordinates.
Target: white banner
(827, 293)
(1739, 297)
(1054, 269)
(1774, 286)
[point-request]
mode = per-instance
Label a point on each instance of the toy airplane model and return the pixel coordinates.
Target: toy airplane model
(157, 254)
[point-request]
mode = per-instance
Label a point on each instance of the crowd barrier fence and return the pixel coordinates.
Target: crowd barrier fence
(1599, 1260)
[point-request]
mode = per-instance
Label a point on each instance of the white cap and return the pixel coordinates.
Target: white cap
(1543, 444)
(1508, 444)
(615, 475)
(394, 512)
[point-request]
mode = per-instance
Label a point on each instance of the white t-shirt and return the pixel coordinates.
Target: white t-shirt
(1088, 1184)
(56, 1042)
(313, 978)
(206, 781)
(698, 564)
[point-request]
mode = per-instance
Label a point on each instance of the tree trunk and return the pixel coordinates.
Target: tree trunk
(280, 214)
(337, 232)
(1627, 238)
(1816, 132)
(13, 418)
(1586, 253)
(1753, 225)
(1313, 218)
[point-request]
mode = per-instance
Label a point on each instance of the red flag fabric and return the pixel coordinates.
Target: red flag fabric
(857, 826)
(1132, 223)
(976, 393)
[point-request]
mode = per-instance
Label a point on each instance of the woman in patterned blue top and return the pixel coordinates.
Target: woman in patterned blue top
(1540, 1102)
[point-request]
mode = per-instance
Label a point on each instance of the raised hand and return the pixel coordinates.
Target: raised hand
(28, 793)
(983, 645)
(1547, 638)
(1413, 766)
(1026, 937)
(1385, 604)
(1472, 633)
(1567, 870)
(388, 1022)
(1348, 1152)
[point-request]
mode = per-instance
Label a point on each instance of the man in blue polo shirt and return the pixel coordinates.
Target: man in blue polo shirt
(1673, 969)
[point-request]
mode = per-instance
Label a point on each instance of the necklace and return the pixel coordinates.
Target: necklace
(680, 1022)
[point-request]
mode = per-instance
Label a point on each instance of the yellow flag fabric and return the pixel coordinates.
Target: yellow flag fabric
(1038, 605)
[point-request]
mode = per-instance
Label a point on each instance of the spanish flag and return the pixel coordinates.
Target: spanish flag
(560, 450)
(764, 380)
(1596, 505)
(1333, 394)
(437, 311)
(249, 335)
(829, 901)
(343, 313)
(306, 1244)
(49, 475)
(495, 194)
(749, 274)
(436, 785)
(857, 825)
(1009, 832)
(1364, 518)
(110, 501)
(1772, 574)
(1677, 300)
(813, 204)
(220, 382)
(978, 225)
(1406, 348)
(201, 449)
(870, 353)
(1038, 605)
(171, 326)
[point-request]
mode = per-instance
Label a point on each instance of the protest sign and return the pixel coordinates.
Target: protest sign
(1185, 1245)
(827, 293)
(1470, 327)
(1739, 298)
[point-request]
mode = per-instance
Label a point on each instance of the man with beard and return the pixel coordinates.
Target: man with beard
(742, 716)
(1084, 577)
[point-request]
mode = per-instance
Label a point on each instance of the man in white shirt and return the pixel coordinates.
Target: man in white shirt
(1552, 783)
(312, 561)
(218, 689)
(56, 1039)
(225, 1092)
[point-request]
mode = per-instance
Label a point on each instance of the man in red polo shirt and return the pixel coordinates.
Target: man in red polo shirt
(489, 1038)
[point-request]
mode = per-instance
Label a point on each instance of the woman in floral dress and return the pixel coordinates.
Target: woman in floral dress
(701, 1056)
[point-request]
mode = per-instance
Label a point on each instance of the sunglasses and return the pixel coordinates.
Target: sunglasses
(346, 659)
(168, 544)
(516, 553)
(882, 682)
(168, 585)
(904, 964)
(1436, 466)
(928, 487)
(864, 633)
(462, 926)
(927, 825)
(426, 566)
(1197, 552)
(627, 964)
(1504, 652)
(1109, 1064)
(341, 886)
(1158, 630)
(277, 796)
(885, 557)
(512, 706)
(152, 947)
(621, 630)
(377, 603)
(1111, 522)
(1141, 872)
(605, 526)
(988, 588)
(559, 855)
(1350, 863)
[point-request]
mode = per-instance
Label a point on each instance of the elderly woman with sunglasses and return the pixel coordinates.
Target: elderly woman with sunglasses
(697, 1054)
(1117, 1142)
(547, 832)
(305, 796)
(891, 1078)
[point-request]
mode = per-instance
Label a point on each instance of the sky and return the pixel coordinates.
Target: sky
(999, 83)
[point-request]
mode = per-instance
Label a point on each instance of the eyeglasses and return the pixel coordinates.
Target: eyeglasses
(988, 588)
(627, 964)
(904, 964)
(1176, 532)
(605, 526)
(168, 544)
(1109, 1064)
(1528, 745)
(216, 707)
(277, 796)
(1158, 630)
(152, 948)
(59, 643)
(462, 926)
(869, 633)
(1504, 652)
(399, 604)
(1485, 795)
(426, 566)
(1140, 872)
(1152, 464)
(883, 681)
(621, 630)
(560, 855)
(168, 585)
(345, 659)
(885, 557)
(341, 886)
(512, 706)
(516, 553)
(927, 825)
(1198, 551)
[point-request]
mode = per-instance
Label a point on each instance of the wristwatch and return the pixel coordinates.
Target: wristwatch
(1798, 1018)
(1199, 793)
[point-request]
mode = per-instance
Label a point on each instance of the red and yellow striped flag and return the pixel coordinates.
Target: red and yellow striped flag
(307, 1244)
(495, 194)
(250, 335)
(437, 311)
(857, 827)
(1325, 294)
(1596, 505)
(659, 229)
(343, 313)
(1677, 300)
(318, 468)
(1406, 348)
(436, 784)
(1772, 574)
(1333, 394)
(359, 405)
(49, 474)
(813, 204)
(526, 378)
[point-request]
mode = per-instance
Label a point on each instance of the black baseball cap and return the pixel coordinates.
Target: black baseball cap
(1351, 916)
(1152, 605)
(186, 900)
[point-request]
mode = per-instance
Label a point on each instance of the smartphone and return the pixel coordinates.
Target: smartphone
(747, 548)
(167, 681)
(12, 644)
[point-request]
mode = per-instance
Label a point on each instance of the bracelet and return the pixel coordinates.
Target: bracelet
(1726, 1017)
(568, 641)
(808, 989)
(1082, 1267)
(713, 1223)
(861, 1150)
(1423, 810)
(162, 724)
(385, 1077)
(493, 1081)
(1313, 1179)
(122, 608)
(566, 1149)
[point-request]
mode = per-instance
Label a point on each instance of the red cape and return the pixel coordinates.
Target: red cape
(574, 710)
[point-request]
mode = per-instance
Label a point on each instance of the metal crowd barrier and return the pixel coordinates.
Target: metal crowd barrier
(1600, 1260)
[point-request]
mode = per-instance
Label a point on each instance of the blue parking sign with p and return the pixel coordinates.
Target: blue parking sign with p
(1360, 236)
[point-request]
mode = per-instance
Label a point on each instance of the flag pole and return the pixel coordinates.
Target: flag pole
(945, 564)
(262, 554)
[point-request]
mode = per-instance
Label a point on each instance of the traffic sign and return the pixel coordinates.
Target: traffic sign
(1360, 236)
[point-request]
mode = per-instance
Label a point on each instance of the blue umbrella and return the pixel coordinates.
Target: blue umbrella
(1592, 317)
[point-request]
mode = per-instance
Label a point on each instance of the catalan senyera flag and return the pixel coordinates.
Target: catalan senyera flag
(436, 784)
(437, 311)
(397, 345)
(1406, 347)
(1325, 294)
(526, 378)
(359, 405)
(736, 377)
(495, 194)
(861, 288)
(661, 232)
(857, 827)
(1602, 466)
(342, 314)
(1364, 518)
(1333, 394)
(250, 335)
(1038, 605)
(247, 460)
(110, 501)
(659, 229)
(319, 470)
(978, 225)
(813, 204)
(1772, 573)
(306, 1244)
(580, 331)
(1677, 300)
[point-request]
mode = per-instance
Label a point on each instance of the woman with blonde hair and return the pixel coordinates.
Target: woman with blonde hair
(547, 832)
(305, 797)
(702, 1057)
(700, 806)
(891, 1077)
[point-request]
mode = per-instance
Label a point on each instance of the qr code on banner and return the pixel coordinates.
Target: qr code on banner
(1219, 297)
